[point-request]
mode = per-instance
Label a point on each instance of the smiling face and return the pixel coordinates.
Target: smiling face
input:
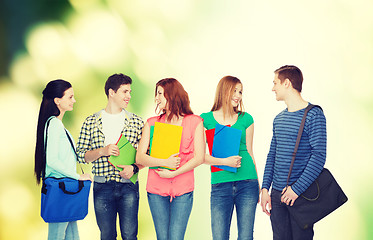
(66, 103)
(160, 99)
(122, 96)
(279, 88)
(236, 95)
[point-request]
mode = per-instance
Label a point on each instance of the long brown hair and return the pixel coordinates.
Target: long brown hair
(223, 95)
(48, 108)
(177, 98)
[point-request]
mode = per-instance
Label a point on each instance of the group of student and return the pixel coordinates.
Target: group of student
(170, 193)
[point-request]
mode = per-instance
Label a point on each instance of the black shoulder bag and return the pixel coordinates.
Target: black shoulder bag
(321, 198)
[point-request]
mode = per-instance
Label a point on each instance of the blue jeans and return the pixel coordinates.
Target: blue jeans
(284, 226)
(170, 218)
(244, 196)
(112, 199)
(63, 231)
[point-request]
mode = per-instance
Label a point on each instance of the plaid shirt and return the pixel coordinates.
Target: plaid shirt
(91, 137)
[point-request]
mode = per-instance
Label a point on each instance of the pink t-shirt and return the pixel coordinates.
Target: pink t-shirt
(183, 183)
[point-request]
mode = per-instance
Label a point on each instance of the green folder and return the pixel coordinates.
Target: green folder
(127, 156)
(151, 139)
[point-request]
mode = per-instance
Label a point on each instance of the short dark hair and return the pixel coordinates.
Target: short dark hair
(293, 73)
(115, 81)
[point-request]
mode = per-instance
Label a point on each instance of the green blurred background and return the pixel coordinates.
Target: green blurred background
(197, 42)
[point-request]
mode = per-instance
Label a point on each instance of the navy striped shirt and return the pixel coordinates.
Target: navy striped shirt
(311, 154)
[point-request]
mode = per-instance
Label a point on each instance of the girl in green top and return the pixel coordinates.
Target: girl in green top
(232, 189)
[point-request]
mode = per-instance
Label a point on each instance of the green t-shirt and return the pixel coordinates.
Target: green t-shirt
(247, 169)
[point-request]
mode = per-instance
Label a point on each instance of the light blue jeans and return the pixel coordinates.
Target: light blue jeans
(63, 231)
(170, 218)
(244, 196)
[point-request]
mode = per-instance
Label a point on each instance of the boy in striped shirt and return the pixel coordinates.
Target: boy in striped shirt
(309, 161)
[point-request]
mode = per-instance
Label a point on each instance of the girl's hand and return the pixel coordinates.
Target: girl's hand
(233, 161)
(85, 176)
(173, 161)
(165, 173)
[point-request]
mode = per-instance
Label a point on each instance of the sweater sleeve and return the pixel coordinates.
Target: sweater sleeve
(269, 167)
(315, 127)
(57, 154)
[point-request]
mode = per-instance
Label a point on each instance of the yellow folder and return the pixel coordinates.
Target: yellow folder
(127, 156)
(166, 140)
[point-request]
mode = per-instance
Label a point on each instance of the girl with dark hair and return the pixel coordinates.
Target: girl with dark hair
(58, 159)
(239, 189)
(170, 193)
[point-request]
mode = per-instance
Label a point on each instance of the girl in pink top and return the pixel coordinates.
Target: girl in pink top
(170, 193)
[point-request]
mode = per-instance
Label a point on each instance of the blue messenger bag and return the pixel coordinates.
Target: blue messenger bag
(64, 199)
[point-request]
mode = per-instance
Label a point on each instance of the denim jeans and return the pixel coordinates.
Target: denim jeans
(112, 199)
(244, 196)
(63, 231)
(170, 217)
(284, 226)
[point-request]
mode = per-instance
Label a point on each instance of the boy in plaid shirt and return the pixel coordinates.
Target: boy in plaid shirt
(113, 193)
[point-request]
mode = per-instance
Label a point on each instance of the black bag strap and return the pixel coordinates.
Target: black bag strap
(301, 127)
(72, 145)
(68, 137)
(45, 145)
(62, 186)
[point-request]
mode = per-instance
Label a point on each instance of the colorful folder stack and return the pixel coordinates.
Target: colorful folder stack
(127, 156)
(210, 140)
(223, 141)
(165, 141)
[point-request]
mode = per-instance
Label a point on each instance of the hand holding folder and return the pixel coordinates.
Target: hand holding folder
(127, 156)
(226, 143)
(165, 141)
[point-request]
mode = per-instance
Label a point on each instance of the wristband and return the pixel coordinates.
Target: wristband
(135, 168)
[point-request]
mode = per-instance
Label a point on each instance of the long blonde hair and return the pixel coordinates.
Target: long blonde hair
(223, 95)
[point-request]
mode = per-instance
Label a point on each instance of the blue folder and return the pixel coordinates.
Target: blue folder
(226, 144)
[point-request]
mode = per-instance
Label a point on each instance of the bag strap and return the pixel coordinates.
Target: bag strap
(62, 186)
(300, 131)
(72, 145)
(45, 146)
